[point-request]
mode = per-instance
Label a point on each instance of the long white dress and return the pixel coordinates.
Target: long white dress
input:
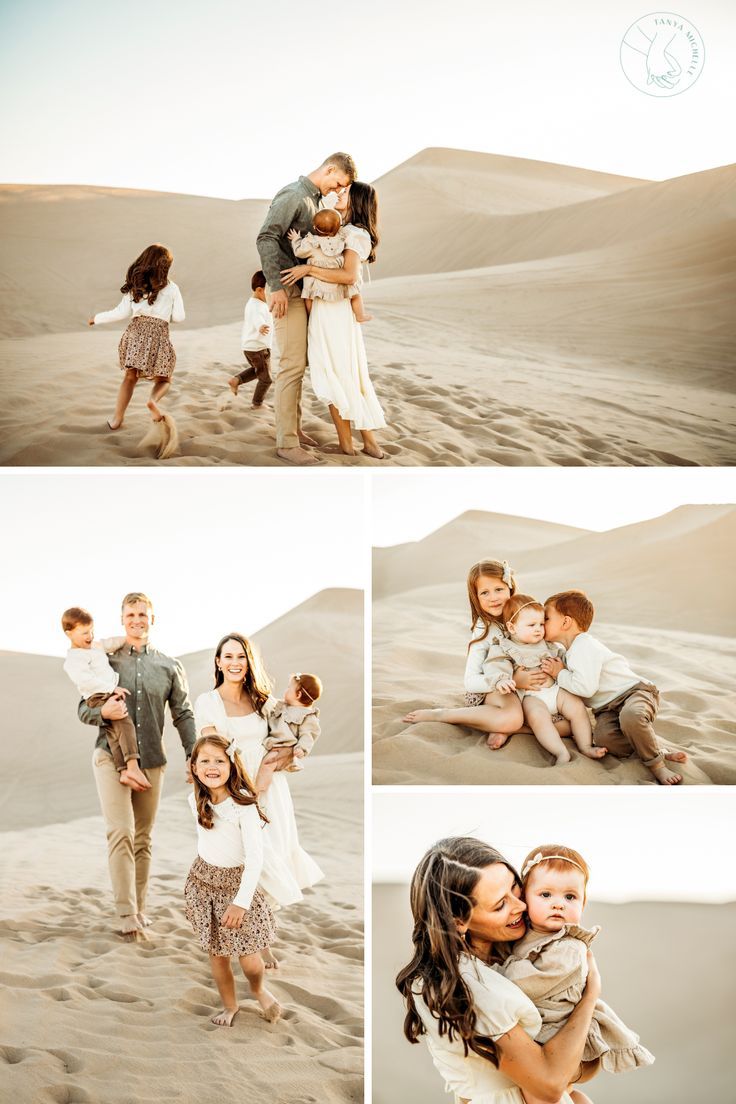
(287, 868)
(338, 366)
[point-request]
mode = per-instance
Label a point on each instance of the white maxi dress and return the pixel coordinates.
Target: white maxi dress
(287, 868)
(338, 366)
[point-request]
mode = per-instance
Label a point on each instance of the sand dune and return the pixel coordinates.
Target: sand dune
(526, 313)
(694, 1059)
(90, 1018)
(639, 577)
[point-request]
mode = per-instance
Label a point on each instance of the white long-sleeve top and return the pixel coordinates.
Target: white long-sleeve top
(169, 306)
(595, 673)
(235, 838)
(89, 669)
(256, 314)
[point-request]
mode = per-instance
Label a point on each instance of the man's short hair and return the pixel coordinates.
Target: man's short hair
(343, 162)
(134, 598)
(575, 604)
(74, 616)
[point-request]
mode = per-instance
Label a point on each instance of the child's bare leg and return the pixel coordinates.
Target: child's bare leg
(159, 389)
(361, 314)
(371, 446)
(225, 982)
(252, 967)
(573, 707)
(539, 720)
(125, 394)
(500, 716)
(133, 773)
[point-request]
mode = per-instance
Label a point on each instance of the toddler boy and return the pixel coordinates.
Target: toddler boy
(255, 341)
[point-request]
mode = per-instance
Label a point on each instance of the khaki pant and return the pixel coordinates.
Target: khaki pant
(290, 337)
(129, 816)
(626, 724)
(120, 735)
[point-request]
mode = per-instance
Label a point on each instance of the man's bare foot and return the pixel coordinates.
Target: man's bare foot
(665, 776)
(126, 779)
(113, 425)
(129, 924)
(270, 961)
(418, 715)
(233, 383)
(336, 448)
(158, 414)
(298, 456)
(135, 772)
(376, 455)
(225, 1017)
(143, 920)
(270, 1008)
(496, 740)
(594, 752)
(305, 439)
(676, 756)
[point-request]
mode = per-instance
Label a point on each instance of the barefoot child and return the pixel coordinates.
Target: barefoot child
(294, 720)
(324, 248)
(624, 705)
(549, 963)
(223, 903)
(525, 647)
(145, 349)
(87, 666)
(255, 340)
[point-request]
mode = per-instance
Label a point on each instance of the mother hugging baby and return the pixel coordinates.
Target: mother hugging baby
(535, 664)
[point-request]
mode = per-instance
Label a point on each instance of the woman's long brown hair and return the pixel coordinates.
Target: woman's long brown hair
(441, 895)
(495, 569)
(256, 682)
(363, 212)
(148, 273)
(239, 786)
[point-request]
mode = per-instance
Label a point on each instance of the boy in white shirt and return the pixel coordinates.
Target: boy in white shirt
(624, 705)
(255, 341)
(87, 666)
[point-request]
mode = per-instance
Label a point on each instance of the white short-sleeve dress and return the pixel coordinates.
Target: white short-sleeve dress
(338, 365)
(287, 868)
(499, 1006)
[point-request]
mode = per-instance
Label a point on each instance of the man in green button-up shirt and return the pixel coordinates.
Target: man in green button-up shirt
(294, 207)
(153, 681)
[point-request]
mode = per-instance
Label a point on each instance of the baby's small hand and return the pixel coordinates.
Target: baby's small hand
(507, 686)
(293, 235)
(299, 753)
(552, 666)
(121, 692)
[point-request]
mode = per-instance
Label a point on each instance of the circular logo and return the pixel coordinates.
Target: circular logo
(662, 54)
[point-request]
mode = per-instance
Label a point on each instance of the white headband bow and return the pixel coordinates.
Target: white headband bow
(539, 858)
(232, 749)
(506, 573)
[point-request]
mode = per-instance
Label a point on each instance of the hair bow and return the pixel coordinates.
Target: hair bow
(232, 749)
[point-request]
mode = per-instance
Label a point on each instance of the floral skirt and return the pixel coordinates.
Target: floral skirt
(207, 893)
(145, 348)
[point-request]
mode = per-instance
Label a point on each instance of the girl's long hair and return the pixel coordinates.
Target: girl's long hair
(256, 682)
(441, 895)
(495, 569)
(363, 210)
(239, 786)
(148, 273)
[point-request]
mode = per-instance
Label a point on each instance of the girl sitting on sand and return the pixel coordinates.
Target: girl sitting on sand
(145, 349)
(549, 963)
(525, 648)
(490, 585)
(227, 911)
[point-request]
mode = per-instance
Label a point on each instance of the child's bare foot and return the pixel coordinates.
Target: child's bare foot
(256, 406)
(126, 779)
(418, 715)
(676, 756)
(563, 757)
(496, 740)
(143, 920)
(158, 414)
(270, 1007)
(225, 1018)
(113, 425)
(233, 383)
(134, 771)
(665, 776)
(270, 961)
(594, 752)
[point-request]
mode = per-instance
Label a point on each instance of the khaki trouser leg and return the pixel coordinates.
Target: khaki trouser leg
(129, 816)
(290, 335)
(627, 724)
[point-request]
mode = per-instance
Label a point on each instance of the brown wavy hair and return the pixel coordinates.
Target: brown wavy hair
(363, 212)
(239, 786)
(442, 891)
(493, 568)
(256, 682)
(148, 273)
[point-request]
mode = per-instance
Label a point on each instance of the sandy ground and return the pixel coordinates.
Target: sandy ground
(611, 296)
(678, 1003)
(88, 1017)
(639, 578)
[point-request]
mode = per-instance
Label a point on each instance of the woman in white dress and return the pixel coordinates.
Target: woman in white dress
(479, 1026)
(238, 708)
(338, 366)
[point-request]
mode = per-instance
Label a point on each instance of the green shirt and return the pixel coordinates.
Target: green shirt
(294, 207)
(153, 679)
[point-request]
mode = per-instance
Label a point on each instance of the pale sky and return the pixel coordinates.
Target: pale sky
(219, 99)
(215, 549)
(409, 504)
(642, 844)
